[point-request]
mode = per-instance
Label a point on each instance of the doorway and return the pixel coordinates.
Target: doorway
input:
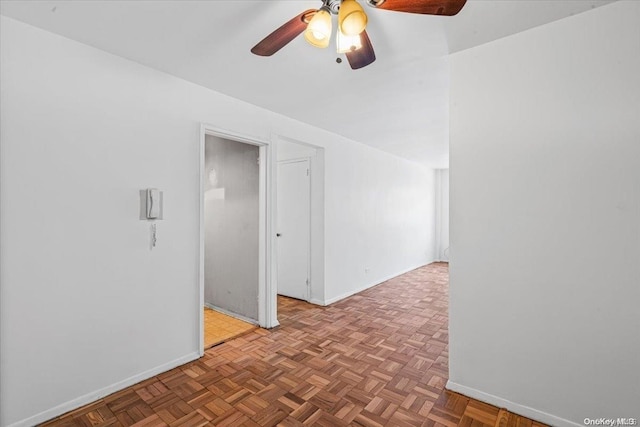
(299, 268)
(294, 228)
(235, 227)
(231, 228)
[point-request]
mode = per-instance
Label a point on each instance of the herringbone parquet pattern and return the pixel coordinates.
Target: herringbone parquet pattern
(378, 358)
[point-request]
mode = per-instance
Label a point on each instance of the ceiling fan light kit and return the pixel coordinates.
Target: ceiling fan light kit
(351, 18)
(346, 43)
(351, 35)
(318, 32)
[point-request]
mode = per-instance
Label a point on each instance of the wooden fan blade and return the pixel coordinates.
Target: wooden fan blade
(363, 56)
(425, 7)
(283, 35)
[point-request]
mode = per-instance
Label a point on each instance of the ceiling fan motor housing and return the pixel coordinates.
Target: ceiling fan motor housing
(332, 5)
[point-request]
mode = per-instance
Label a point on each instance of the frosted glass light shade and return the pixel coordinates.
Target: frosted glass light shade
(351, 18)
(318, 32)
(347, 43)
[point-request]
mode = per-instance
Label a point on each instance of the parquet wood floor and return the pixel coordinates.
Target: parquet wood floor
(378, 358)
(219, 327)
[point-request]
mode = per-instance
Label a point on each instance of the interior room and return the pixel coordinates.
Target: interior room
(393, 213)
(231, 233)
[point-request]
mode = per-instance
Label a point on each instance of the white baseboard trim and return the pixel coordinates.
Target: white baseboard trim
(232, 314)
(516, 408)
(315, 301)
(371, 285)
(99, 394)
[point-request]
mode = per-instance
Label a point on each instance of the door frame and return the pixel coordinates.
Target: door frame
(317, 182)
(300, 160)
(267, 299)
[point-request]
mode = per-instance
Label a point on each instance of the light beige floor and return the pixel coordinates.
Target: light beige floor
(219, 327)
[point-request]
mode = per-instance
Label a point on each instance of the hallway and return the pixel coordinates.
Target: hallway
(378, 358)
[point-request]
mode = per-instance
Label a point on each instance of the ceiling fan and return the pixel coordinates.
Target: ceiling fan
(351, 37)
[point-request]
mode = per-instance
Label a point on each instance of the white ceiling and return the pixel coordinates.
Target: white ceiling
(398, 104)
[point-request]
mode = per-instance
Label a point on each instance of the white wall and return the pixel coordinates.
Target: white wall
(380, 219)
(442, 214)
(82, 132)
(545, 218)
(231, 221)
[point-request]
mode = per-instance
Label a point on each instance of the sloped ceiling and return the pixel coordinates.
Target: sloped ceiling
(398, 104)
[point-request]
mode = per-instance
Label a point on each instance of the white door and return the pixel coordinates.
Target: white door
(294, 233)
